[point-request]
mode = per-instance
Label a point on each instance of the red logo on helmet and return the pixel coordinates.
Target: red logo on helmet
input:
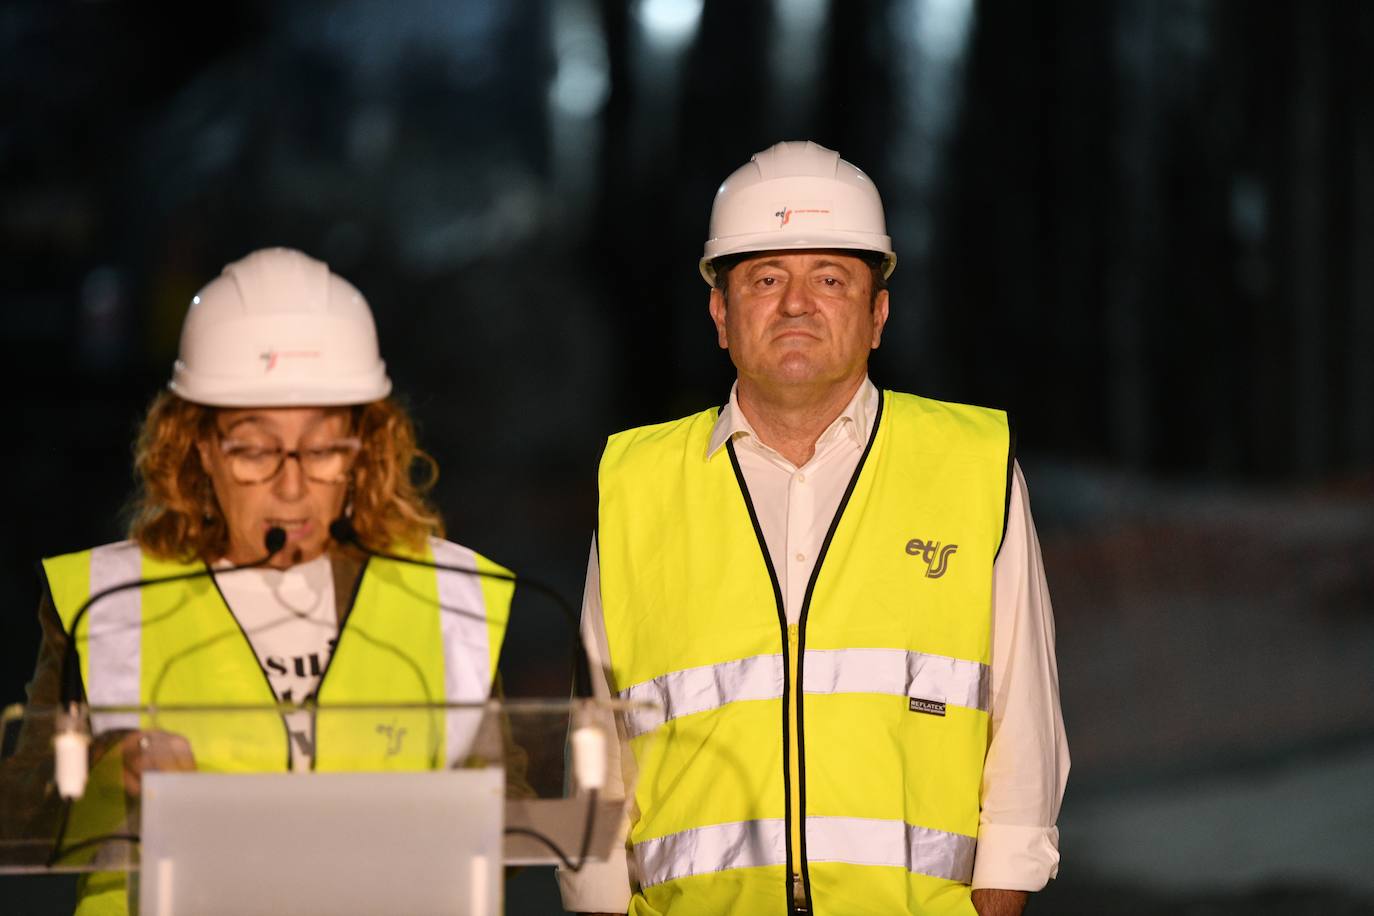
(786, 213)
(271, 357)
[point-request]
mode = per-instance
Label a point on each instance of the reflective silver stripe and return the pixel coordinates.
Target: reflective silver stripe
(869, 841)
(954, 681)
(114, 651)
(853, 840)
(702, 850)
(467, 658)
(681, 693)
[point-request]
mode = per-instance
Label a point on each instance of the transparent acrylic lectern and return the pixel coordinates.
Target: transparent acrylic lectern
(395, 808)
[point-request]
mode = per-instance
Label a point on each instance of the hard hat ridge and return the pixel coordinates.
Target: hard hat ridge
(275, 280)
(277, 328)
(796, 195)
(791, 158)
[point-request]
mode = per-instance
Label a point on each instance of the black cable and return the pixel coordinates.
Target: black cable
(343, 532)
(59, 855)
(70, 681)
(61, 833)
(273, 542)
(587, 830)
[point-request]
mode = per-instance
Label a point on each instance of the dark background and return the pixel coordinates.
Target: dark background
(1145, 227)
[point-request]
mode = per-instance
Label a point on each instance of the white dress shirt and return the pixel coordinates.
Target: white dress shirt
(1028, 757)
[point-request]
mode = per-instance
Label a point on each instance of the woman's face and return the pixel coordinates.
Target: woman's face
(284, 467)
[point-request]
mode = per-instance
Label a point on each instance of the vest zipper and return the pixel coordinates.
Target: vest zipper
(799, 673)
(794, 812)
(794, 649)
(788, 633)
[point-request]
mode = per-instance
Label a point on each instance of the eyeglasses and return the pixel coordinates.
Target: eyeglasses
(259, 462)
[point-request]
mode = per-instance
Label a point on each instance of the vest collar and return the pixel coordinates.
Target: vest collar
(855, 421)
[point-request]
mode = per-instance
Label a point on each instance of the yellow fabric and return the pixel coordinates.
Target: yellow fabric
(390, 650)
(742, 891)
(103, 893)
(393, 629)
(657, 503)
(685, 583)
(859, 890)
(194, 652)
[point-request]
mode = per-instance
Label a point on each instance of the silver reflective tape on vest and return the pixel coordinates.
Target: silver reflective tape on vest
(114, 651)
(703, 850)
(691, 690)
(954, 681)
(871, 841)
(467, 656)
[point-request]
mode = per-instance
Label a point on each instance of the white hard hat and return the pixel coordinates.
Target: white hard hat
(796, 194)
(278, 329)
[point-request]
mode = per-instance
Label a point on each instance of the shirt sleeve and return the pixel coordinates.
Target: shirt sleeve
(1028, 756)
(601, 887)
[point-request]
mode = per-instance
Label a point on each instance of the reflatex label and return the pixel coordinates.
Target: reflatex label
(929, 707)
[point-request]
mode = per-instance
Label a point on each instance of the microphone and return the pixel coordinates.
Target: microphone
(70, 742)
(343, 533)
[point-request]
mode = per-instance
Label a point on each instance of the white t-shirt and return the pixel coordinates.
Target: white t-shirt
(292, 623)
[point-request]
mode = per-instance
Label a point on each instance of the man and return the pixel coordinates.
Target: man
(834, 596)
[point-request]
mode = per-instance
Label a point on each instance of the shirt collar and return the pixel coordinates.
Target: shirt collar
(855, 420)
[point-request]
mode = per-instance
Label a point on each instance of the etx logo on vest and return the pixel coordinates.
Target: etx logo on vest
(936, 557)
(394, 734)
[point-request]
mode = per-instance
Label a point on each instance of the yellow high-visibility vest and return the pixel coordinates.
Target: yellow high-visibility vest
(865, 782)
(412, 635)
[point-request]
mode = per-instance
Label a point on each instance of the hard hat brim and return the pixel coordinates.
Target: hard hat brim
(236, 392)
(766, 242)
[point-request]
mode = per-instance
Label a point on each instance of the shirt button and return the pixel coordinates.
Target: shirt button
(801, 478)
(801, 558)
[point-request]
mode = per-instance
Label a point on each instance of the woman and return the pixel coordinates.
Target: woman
(277, 417)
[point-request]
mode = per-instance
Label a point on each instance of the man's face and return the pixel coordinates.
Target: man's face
(799, 318)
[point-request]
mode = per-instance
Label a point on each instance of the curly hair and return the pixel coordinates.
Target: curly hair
(175, 515)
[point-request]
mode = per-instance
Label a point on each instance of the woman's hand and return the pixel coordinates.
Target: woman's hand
(144, 752)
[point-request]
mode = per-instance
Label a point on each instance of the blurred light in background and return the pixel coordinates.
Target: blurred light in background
(582, 82)
(579, 90)
(930, 46)
(371, 135)
(795, 56)
(669, 25)
(666, 30)
(1250, 226)
(932, 38)
(378, 38)
(104, 321)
